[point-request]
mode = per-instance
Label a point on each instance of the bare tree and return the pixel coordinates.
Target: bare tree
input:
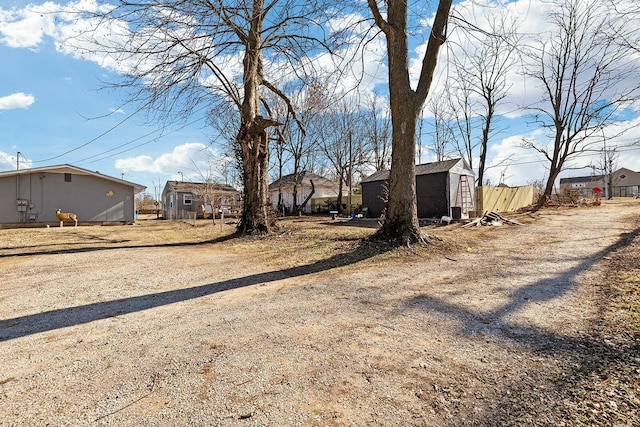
(462, 107)
(297, 139)
(177, 55)
(607, 163)
(342, 130)
(145, 201)
(401, 220)
(491, 54)
(442, 136)
(280, 159)
(377, 138)
(587, 79)
(627, 37)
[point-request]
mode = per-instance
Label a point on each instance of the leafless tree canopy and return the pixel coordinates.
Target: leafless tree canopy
(377, 137)
(177, 55)
(587, 77)
(481, 84)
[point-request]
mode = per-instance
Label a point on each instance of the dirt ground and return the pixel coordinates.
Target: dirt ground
(165, 324)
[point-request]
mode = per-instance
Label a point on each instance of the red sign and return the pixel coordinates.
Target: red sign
(597, 190)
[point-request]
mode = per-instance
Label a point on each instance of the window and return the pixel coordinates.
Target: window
(67, 177)
(187, 199)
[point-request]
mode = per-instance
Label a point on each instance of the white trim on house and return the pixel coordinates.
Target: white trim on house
(66, 168)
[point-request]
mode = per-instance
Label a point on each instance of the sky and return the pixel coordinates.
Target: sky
(55, 108)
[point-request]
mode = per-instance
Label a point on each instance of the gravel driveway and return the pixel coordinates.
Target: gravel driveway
(194, 335)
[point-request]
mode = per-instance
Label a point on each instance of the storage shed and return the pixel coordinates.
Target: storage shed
(33, 195)
(442, 188)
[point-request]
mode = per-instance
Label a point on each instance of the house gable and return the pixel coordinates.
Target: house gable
(33, 195)
(323, 188)
(626, 177)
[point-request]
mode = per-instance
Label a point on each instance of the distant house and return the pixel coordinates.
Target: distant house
(624, 183)
(33, 195)
(323, 188)
(442, 188)
(583, 185)
(181, 199)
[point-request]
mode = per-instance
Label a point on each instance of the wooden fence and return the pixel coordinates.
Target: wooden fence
(503, 199)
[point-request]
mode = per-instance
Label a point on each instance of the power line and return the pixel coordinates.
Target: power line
(111, 129)
(139, 145)
(92, 140)
(580, 154)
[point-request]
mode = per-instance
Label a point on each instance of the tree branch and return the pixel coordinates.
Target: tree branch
(380, 21)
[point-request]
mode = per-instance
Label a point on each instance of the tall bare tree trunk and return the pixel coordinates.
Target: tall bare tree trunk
(484, 144)
(401, 220)
(255, 164)
(556, 164)
(252, 136)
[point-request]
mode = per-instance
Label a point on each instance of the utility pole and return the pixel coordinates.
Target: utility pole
(608, 190)
(610, 177)
(350, 172)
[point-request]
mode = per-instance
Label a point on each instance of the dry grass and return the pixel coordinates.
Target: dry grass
(616, 373)
(299, 241)
(145, 234)
(608, 372)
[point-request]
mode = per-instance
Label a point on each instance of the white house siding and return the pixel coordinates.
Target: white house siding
(303, 193)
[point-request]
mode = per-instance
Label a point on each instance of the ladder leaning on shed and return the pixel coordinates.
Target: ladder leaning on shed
(464, 198)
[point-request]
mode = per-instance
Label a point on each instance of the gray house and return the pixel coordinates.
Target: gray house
(33, 195)
(181, 199)
(624, 183)
(442, 188)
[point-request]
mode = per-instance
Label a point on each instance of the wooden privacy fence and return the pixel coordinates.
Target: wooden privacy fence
(503, 199)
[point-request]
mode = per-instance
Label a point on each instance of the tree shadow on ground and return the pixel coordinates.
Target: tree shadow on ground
(60, 248)
(373, 223)
(70, 316)
(585, 357)
(86, 239)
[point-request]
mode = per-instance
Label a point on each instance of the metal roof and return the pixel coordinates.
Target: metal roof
(422, 169)
(66, 168)
(288, 180)
(200, 187)
(580, 179)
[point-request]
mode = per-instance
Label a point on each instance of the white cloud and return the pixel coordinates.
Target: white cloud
(196, 161)
(64, 23)
(511, 164)
(25, 28)
(7, 161)
(16, 100)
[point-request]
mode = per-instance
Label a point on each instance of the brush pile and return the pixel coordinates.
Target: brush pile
(493, 219)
